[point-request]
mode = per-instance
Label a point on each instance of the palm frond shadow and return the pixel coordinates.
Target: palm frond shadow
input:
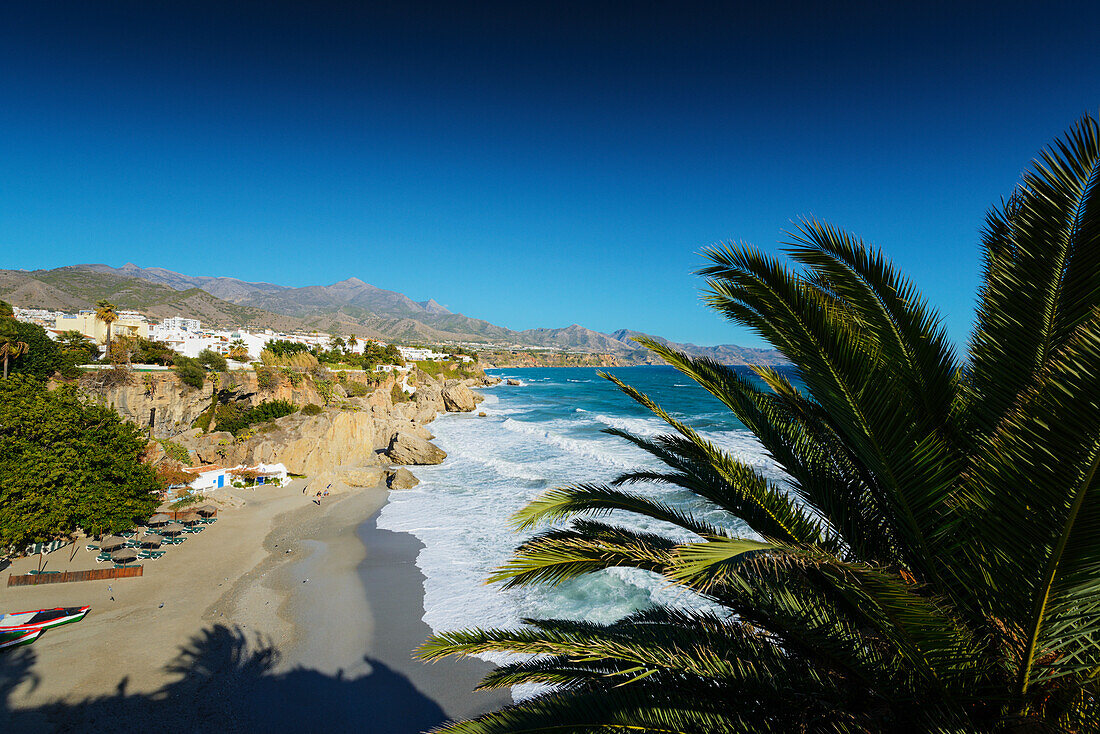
(227, 681)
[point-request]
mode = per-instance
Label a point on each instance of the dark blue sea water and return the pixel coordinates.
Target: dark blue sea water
(545, 433)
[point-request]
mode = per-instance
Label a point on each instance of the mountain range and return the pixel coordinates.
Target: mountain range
(349, 307)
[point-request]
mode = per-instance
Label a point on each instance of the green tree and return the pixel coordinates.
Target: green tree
(77, 347)
(189, 371)
(238, 350)
(285, 348)
(42, 357)
(66, 464)
(211, 360)
(10, 346)
(931, 563)
(6, 311)
(105, 312)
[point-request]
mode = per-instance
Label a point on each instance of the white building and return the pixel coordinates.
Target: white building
(211, 476)
(178, 323)
(416, 354)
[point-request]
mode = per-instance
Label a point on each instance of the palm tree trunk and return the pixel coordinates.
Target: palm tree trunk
(5, 366)
(108, 355)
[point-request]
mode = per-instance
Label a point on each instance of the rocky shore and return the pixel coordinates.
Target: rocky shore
(360, 433)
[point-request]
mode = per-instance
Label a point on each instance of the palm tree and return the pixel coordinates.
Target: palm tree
(238, 350)
(932, 561)
(105, 312)
(10, 346)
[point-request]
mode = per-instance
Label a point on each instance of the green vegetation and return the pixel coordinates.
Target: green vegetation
(189, 371)
(397, 395)
(212, 361)
(66, 464)
(267, 379)
(105, 312)
(312, 409)
(236, 417)
(284, 348)
(146, 351)
(448, 370)
(931, 562)
(10, 346)
(175, 451)
(41, 357)
(76, 349)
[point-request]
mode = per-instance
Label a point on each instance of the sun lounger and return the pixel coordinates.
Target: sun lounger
(36, 572)
(127, 565)
(91, 547)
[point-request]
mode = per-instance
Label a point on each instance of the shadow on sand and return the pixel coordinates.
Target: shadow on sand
(227, 683)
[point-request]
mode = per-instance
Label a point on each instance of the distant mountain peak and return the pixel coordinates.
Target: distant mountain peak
(433, 307)
(351, 281)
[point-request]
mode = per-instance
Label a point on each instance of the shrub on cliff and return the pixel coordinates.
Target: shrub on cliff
(267, 378)
(212, 361)
(236, 417)
(67, 463)
(312, 409)
(189, 371)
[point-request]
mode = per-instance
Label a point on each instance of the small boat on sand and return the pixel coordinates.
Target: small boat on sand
(40, 619)
(18, 638)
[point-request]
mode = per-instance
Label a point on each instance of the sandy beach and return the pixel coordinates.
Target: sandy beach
(283, 615)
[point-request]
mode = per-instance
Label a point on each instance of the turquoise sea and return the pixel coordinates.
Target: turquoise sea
(544, 433)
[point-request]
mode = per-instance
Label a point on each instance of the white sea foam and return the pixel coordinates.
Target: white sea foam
(592, 449)
(461, 512)
(637, 426)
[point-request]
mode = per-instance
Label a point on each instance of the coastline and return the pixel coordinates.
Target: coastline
(223, 620)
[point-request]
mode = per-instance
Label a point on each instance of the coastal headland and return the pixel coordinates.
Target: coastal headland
(288, 611)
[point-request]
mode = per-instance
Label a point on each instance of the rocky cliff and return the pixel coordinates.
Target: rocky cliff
(353, 439)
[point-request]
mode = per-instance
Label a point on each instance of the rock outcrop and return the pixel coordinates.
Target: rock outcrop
(362, 476)
(320, 442)
(406, 448)
(457, 398)
(511, 381)
(401, 478)
(350, 442)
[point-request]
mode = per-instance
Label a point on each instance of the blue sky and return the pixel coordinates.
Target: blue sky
(530, 164)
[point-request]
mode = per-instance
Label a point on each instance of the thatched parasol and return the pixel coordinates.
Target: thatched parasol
(188, 518)
(151, 540)
(159, 519)
(124, 555)
(206, 510)
(172, 529)
(111, 542)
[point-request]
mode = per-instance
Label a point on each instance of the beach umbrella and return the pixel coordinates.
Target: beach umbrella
(172, 529)
(111, 542)
(124, 555)
(188, 518)
(152, 540)
(158, 519)
(206, 510)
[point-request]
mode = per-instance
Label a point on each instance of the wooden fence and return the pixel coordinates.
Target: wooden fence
(177, 514)
(64, 577)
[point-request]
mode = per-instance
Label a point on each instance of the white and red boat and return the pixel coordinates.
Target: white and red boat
(23, 628)
(15, 639)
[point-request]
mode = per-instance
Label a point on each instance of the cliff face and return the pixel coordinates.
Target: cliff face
(344, 440)
(159, 400)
